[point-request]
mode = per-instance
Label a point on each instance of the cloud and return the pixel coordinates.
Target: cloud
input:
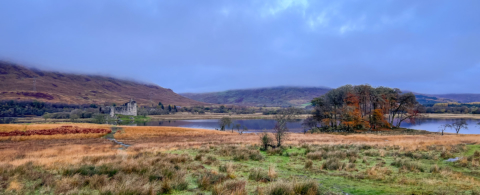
(194, 46)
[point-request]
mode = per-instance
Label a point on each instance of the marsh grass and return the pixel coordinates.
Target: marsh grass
(220, 164)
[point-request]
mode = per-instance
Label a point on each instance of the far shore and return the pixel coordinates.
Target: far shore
(190, 116)
(452, 116)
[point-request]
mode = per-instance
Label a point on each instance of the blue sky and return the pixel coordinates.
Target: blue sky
(428, 46)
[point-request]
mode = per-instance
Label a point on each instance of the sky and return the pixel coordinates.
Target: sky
(427, 46)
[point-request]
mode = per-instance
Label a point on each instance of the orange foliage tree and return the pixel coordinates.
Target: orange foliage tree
(363, 107)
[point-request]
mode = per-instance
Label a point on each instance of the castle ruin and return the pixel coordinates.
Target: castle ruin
(129, 108)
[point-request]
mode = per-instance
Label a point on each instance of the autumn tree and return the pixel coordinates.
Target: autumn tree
(349, 108)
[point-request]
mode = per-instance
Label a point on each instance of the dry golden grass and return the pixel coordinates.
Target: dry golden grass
(55, 152)
(25, 127)
(178, 137)
(57, 136)
(131, 132)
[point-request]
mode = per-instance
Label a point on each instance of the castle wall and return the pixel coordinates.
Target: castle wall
(129, 108)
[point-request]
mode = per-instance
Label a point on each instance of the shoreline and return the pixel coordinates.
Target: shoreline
(451, 116)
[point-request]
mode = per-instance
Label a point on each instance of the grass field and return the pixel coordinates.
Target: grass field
(174, 160)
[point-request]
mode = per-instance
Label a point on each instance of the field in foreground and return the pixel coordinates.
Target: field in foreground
(191, 161)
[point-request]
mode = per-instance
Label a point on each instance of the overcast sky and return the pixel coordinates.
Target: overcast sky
(428, 46)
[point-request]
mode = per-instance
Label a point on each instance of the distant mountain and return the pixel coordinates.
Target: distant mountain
(462, 98)
(273, 96)
(301, 96)
(17, 83)
(431, 99)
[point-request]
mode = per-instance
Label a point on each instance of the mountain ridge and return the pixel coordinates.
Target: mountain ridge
(23, 83)
(246, 97)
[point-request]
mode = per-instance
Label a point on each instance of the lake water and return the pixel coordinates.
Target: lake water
(258, 125)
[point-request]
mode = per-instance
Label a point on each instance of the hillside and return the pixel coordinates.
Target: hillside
(17, 83)
(275, 96)
(431, 99)
(463, 98)
(300, 96)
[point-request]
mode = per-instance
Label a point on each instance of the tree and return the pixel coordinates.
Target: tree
(460, 124)
(266, 141)
(46, 116)
(224, 122)
(238, 127)
(74, 115)
(444, 127)
(99, 118)
(242, 130)
(308, 123)
(282, 117)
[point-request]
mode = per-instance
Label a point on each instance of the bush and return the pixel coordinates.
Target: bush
(308, 164)
(230, 187)
(315, 155)
(208, 179)
(371, 152)
(258, 174)
(306, 187)
(333, 164)
(407, 164)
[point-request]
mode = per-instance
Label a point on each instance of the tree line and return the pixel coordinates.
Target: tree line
(363, 107)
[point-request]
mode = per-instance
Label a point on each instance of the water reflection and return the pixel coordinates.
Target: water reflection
(257, 125)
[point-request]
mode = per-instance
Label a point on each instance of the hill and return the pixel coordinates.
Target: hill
(17, 83)
(274, 96)
(463, 98)
(301, 96)
(431, 99)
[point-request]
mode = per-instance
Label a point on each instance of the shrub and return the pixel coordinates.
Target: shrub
(280, 188)
(308, 164)
(446, 154)
(371, 152)
(227, 168)
(352, 159)
(333, 164)
(315, 155)
(407, 164)
(208, 179)
(259, 174)
(276, 151)
(307, 187)
(352, 153)
(230, 187)
(198, 157)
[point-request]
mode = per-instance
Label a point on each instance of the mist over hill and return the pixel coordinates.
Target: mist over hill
(271, 96)
(301, 96)
(21, 83)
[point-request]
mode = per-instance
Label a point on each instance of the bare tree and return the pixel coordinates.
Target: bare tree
(282, 117)
(458, 125)
(238, 126)
(308, 124)
(225, 122)
(444, 127)
(240, 131)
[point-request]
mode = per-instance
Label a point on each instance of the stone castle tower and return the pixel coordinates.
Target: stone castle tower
(129, 108)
